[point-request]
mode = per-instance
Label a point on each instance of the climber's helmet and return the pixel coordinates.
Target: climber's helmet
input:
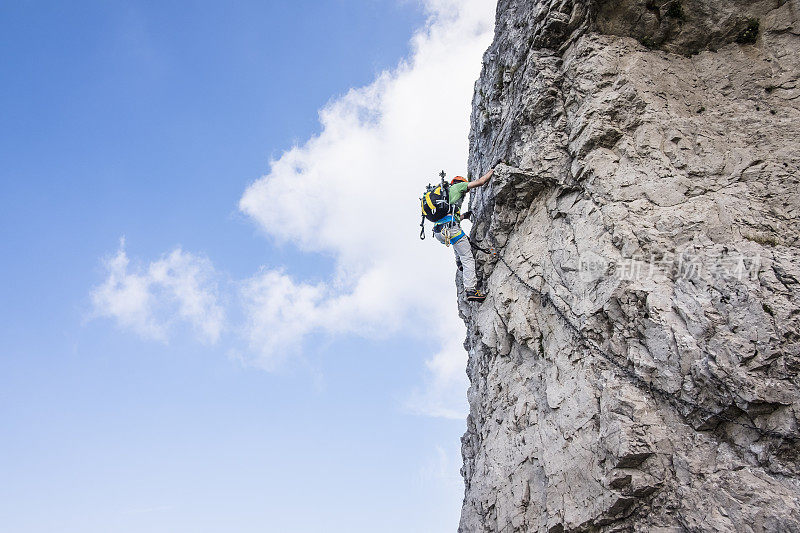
(458, 179)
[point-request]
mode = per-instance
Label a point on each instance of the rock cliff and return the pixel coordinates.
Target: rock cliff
(635, 367)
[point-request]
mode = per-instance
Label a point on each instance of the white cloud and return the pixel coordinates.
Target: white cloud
(443, 393)
(179, 287)
(352, 192)
(279, 313)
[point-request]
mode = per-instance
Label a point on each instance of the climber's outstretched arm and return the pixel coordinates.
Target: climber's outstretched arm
(481, 181)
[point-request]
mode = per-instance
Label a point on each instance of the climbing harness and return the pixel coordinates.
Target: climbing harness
(639, 382)
(449, 229)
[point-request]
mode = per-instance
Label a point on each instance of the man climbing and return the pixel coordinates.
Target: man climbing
(448, 231)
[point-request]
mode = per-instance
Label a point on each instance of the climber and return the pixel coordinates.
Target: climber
(447, 230)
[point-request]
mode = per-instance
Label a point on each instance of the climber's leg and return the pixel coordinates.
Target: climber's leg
(463, 252)
(466, 263)
(440, 238)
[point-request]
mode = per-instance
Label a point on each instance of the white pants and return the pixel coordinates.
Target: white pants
(463, 252)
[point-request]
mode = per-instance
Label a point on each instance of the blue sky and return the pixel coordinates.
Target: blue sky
(200, 331)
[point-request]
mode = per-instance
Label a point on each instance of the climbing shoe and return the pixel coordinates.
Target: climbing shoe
(475, 296)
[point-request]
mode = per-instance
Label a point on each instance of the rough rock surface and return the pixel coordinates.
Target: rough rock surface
(635, 367)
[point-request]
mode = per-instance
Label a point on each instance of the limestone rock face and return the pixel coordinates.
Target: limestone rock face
(635, 366)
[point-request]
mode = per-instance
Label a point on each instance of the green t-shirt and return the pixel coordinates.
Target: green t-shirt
(456, 198)
(457, 193)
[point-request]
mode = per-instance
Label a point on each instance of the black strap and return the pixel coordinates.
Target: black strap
(490, 251)
(422, 229)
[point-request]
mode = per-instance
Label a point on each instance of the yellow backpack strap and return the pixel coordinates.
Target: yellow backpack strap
(428, 201)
